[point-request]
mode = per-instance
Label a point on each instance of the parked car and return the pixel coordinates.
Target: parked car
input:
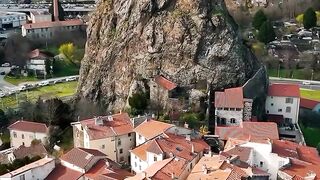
(44, 83)
(2, 73)
(5, 64)
(71, 79)
(306, 82)
(2, 94)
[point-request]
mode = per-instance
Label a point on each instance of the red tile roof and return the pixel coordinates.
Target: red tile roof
(308, 103)
(74, 22)
(37, 54)
(170, 143)
(236, 173)
(284, 90)
(82, 157)
(301, 169)
(29, 126)
(32, 151)
(308, 154)
(285, 148)
(147, 128)
(154, 148)
(243, 152)
(230, 98)
(107, 169)
(62, 173)
(165, 83)
(119, 125)
(250, 130)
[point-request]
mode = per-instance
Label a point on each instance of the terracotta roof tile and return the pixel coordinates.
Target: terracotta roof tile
(285, 148)
(243, 152)
(152, 128)
(308, 103)
(81, 157)
(62, 173)
(154, 147)
(36, 54)
(119, 125)
(165, 83)
(236, 173)
(29, 126)
(230, 98)
(74, 22)
(107, 169)
(285, 90)
(308, 154)
(250, 130)
(32, 151)
(141, 151)
(301, 169)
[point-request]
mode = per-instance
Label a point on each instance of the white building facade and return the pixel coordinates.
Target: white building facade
(37, 170)
(12, 19)
(284, 99)
(24, 132)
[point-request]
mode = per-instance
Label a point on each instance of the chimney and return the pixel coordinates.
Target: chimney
(172, 175)
(186, 125)
(188, 137)
(204, 169)
(192, 148)
(55, 10)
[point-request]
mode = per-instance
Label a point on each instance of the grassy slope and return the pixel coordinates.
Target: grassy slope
(311, 135)
(310, 94)
(57, 90)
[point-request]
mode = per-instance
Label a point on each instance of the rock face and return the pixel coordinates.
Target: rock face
(184, 40)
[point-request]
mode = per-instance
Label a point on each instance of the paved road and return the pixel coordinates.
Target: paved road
(6, 87)
(315, 85)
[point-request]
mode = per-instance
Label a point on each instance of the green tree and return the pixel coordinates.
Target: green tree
(318, 148)
(266, 33)
(3, 119)
(138, 102)
(68, 50)
(309, 18)
(258, 19)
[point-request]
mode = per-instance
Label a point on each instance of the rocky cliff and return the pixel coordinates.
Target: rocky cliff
(185, 40)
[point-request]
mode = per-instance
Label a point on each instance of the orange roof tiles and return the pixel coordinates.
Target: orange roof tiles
(301, 169)
(119, 125)
(37, 53)
(285, 148)
(29, 126)
(152, 128)
(141, 151)
(284, 90)
(73, 22)
(230, 98)
(154, 148)
(62, 173)
(165, 83)
(250, 130)
(244, 153)
(33, 150)
(103, 171)
(308, 103)
(81, 157)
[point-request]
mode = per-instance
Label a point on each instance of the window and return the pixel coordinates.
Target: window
(289, 100)
(23, 143)
(121, 159)
(288, 109)
(271, 104)
(191, 166)
(226, 109)
(140, 137)
(279, 110)
(261, 163)
(232, 109)
(22, 136)
(268, 112)
(135, 164)
(233, 120)
(129, 135)
(22, 177)
(140, 168)
(119, 142)
(121, 151)
(238, 109)
(155, 158)
(14, 134)
(288, 120)
(103, 146)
